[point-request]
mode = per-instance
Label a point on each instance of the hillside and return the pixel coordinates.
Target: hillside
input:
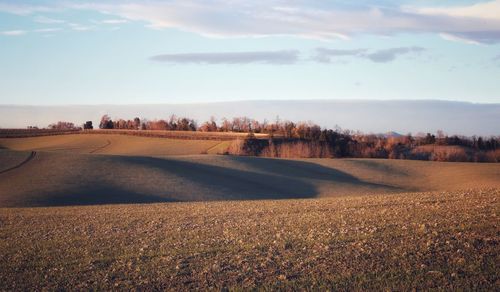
(56, 178)
(113, 144)
(416, 241)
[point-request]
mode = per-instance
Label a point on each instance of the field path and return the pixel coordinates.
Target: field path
(214, 147)
(101, 147)
(28, 159)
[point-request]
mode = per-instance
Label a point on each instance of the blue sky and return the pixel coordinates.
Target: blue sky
(123, 52)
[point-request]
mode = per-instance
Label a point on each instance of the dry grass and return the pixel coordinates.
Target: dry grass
(110, 144)
(446, 239)
(183, 135)
(443, 240)
(65, 178)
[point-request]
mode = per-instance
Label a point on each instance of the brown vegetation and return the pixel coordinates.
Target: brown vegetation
(64, 126)
(418, 241)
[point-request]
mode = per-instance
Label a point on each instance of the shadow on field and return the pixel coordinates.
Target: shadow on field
(380, 165)
(306, 170)
(56, 179)
(97, 194)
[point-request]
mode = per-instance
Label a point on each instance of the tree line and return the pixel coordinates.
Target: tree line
(307, 139)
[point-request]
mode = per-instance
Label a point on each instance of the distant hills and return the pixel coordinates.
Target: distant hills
(393, 117)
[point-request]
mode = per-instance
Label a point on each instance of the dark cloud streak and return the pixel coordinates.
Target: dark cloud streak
(324, 55)
(283, 57)
(389, 55)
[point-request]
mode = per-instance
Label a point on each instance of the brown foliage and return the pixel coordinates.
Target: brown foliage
(63, 126)
(441, 153)
(297, 149)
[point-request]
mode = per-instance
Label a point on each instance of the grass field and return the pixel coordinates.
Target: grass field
(66, 178)
(443, 240)
(113, 144)
(339, 224)
(182, 135)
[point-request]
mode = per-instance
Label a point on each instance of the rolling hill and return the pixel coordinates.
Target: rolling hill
(55, 178)
(114, 144)
(367, 224)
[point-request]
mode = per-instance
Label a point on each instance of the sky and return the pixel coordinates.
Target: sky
(189, 51)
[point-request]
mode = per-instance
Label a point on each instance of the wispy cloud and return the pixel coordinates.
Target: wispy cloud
(47, 20)
(325, 55)
(455, 38)
(24, 9)
(478, 22)
(51, 29)
(13, 32)
(113, 21)
(80, 27)
(485, 10)
(265, 57)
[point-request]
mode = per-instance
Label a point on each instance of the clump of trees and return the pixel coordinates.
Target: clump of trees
(108, 123)
(88, 125)
(63, 126)
(173, 124)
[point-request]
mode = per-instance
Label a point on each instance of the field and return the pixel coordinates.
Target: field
(445, 240)
(73, 216)
(66, 178)
(113, 144)
(183, 135)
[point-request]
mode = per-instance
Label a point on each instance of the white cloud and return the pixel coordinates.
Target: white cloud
(480, 23)
(80, 27)
(307, 19)
(486, 10)
(113, 21)
(43, 30)
(23, 9)
(13, 32)
(47, 20)
(454, 38)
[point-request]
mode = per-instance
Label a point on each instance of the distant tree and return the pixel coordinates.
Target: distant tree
(137, 123)
(88, 125)
(226, 125)
(429, 139)
(62, 126)
(172, 123)
(106, 123)
(209, 126)
(480, 143)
